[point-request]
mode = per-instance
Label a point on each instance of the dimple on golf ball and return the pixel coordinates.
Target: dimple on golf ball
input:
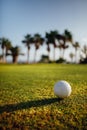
(62, 89)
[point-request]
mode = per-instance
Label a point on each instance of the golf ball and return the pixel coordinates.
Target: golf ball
(62, 89)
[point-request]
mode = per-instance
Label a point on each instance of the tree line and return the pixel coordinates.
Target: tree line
(61, 41)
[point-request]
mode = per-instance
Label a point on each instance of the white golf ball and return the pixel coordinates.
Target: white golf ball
(62, 89)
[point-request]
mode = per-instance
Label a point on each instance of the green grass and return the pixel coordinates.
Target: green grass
(27, 101)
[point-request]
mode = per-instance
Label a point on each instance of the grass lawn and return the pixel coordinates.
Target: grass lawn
(27, 100)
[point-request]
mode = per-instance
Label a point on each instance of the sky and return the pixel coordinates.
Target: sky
(20, 17)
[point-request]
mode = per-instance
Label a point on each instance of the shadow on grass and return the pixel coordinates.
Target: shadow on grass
(28, 104)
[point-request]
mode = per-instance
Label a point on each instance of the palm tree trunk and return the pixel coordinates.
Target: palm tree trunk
(3, 54)
(28, 56)
(48, 50)
(49, 55)
(6, 55)
(15, 58)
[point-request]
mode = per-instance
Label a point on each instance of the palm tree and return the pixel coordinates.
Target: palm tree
(51, 39)
(60, 48)
(83, 59)
(84, 50)
(14, 52)
(68, 36)
(1, 58)
(76, 46)
(64, 47)
(60, 37)
(27, 41)
(62, 43)
(61, 40)
(8, 47)
(38, 41)
(71, 56)
(47, 36)
(5, 45)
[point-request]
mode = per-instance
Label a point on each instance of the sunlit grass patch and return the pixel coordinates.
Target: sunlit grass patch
(27, 100)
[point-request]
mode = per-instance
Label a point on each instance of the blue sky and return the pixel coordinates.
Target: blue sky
(19, 17)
